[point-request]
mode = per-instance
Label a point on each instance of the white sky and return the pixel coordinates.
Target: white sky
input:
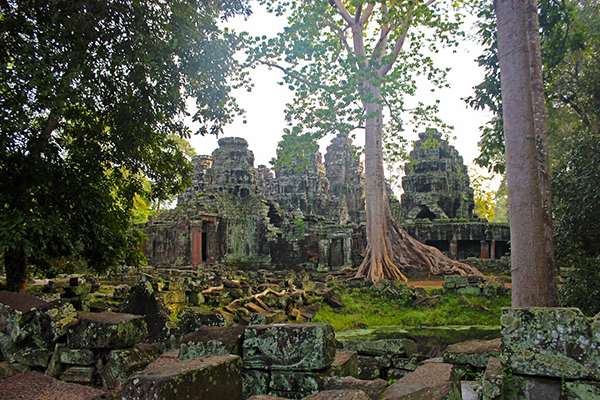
(266, 103)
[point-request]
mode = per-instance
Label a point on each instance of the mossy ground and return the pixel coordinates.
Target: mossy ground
(365, 308)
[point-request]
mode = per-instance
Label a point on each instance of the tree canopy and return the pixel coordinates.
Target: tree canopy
(93, 100)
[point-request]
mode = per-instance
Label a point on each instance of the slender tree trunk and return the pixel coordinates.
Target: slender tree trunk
(17, 270)
(532, 258)
(390, 250)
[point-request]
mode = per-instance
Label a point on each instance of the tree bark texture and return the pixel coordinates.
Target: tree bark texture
(532, 256)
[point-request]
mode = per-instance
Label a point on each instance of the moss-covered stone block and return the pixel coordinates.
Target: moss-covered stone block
(208, 377)
(381, 347)
(121, 364)
(344, 364)
(107, 330)
(492, 382)
(300, 383)
(78, 374)
(76, 356)
(470, 291)
(475, 353)
(520, 387)
(255, 382)
(368, 368)
(33, 357)
(212, 340)
(294, 347)
(582, 390)
(553, 342)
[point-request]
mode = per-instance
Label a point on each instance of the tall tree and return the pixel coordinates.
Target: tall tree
(519, 56)
(92, 93)
(347, 60)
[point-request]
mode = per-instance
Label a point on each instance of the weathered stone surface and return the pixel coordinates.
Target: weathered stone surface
(192, 318)
(431, 381)
(348, 394)
(475, 353)
(33, 357)
(582, 390)
(344, 364)
(9, 369)
(144, 300)
(78, 374)
(107, 330)
(36, 386)
(51, 322)
(212, 340)
(294, 347)
(380, 347)
(263, 397)
(372, 388)
(554, 342)
(492, 384)
(532, 388)
(207, 378)
(76, 356)
(368, 368)
(299, 383)
(121, 364)
(255, 382)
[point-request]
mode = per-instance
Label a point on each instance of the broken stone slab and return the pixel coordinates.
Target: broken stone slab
(553, 342)
(293, 347)
(345, 363)
(264, 397)
(212, 340)
(380, 347)
(121, 364)
(475, 353)
(432, 381)
(372, 388)
(255, 382)
(533, 388)
(492, 383)
(300, 383)
(17, 310)
(37, 386)
(107, 330)
(8, 369)
(33, 357)
(348, 394)
(582, 390)
(51, 322)
(210, 377)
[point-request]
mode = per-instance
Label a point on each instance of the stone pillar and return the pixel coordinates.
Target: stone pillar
(196, 244)
(485, 249)
(453, 248)
(493, 249)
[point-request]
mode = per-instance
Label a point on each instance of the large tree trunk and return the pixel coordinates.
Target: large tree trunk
(532, 257)
(17, 270)
(390, 250)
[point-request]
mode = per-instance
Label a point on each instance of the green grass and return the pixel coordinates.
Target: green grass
(454, 309)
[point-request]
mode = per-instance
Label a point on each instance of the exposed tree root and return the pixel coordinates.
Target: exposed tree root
(403, 253)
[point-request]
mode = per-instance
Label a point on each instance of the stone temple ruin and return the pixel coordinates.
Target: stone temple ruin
(311, 214)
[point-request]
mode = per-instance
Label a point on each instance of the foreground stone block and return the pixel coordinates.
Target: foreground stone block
(431, 381)
(368, 368)
(553, 342)
(373, 389)
(107, 330)
(293, 347)
(36, 386)
(389, 347)
(212, 340)
(207, 378)
(475, 353)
